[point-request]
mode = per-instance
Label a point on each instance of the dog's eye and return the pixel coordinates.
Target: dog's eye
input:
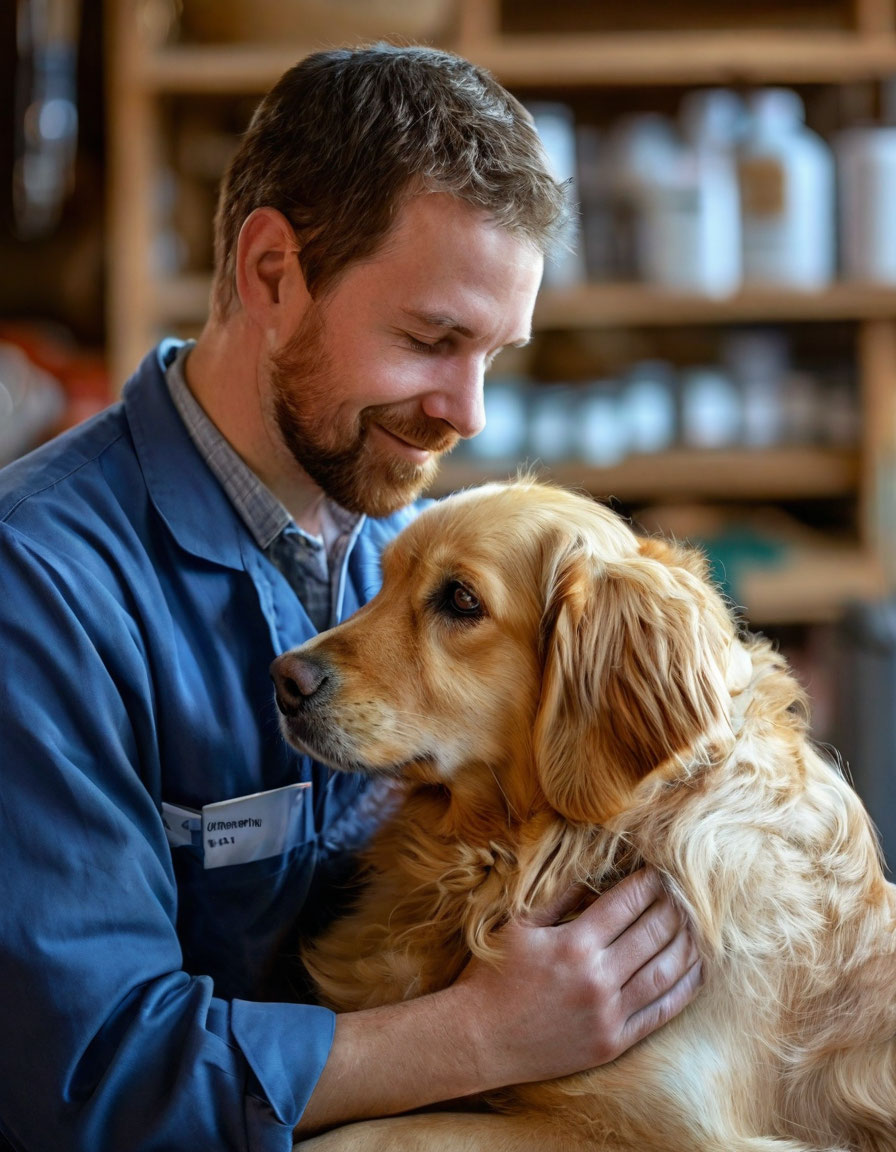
(456, 601)
(463, 601)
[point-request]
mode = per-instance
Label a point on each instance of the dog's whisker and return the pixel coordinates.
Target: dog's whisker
(511, 811)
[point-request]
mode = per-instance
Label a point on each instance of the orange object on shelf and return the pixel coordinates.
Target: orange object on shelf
(82, 373)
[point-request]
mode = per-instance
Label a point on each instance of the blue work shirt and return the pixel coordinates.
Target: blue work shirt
(139, 989)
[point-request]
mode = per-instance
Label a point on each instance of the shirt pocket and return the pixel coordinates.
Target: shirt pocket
(238, 923)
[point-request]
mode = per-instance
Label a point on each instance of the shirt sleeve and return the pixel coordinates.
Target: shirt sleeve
(108, 1043)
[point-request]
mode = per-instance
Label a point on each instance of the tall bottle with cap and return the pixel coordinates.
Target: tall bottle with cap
(638, 152)
(693, 216)
(786, 174)
(866, 168)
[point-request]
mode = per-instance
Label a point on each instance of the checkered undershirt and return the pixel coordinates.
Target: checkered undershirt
(311, 564)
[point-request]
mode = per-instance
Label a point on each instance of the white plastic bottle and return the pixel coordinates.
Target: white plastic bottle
(600, 428)
(866, 163)
(555, 125)
(711, 409)
(758, 361)
(640, 149)
(506, 422)
(649, 400)
(786, 177)
(693, 219)
(606, 250)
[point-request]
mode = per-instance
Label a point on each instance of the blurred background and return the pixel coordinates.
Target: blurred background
(715, 353)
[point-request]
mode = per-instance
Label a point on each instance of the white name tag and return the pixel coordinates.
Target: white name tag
(241, 830)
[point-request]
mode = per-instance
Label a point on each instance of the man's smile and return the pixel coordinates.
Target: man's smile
(397, 443)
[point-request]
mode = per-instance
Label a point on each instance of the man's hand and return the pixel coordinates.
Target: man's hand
(564, 998)
(574, 995)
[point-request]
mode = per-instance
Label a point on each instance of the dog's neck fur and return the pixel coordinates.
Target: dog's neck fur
(480, 841)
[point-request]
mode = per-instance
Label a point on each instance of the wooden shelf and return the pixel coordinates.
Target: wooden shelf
(760, 474)
(222, 69)
(628, 305)
(658, 58)
(674, 58)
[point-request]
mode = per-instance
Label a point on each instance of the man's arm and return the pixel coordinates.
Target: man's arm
(109, 1044)
(564, 998)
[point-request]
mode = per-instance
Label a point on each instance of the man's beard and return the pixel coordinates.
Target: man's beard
(347, 463)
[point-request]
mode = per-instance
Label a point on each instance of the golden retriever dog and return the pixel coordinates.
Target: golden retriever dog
(564, 701)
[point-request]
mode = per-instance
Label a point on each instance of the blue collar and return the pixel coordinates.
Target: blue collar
(205, 524)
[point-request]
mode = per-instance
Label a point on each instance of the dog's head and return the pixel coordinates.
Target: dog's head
(525, 637)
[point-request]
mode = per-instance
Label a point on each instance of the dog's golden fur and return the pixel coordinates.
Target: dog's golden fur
(604, 710)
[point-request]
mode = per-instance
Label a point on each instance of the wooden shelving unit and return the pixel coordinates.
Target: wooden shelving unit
(625, 305)
(766, 474)
(639, 305)
(582, 61)
(686, 58)
(144, 76)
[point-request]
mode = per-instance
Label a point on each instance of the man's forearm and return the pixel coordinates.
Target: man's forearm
(399, 1057)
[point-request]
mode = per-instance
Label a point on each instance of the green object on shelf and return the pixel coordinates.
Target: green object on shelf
(738, 549)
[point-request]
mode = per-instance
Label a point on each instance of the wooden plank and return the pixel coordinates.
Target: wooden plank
(689, 58)
(760, 474)
(877, 487)
(629, 305)
(812, 587)
(874, 17)
(133, 158)
(569, 61)
(634, 304)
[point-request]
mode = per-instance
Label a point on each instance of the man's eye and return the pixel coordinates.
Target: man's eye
(420, 345)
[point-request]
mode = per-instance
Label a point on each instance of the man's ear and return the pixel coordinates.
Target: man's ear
(268, 272)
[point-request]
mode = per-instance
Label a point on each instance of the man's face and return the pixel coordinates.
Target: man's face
(384, 374)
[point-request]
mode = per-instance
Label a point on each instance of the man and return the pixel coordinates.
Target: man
(379, 239)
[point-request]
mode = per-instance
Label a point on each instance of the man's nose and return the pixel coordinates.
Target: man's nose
(460, 401)
(296, 679)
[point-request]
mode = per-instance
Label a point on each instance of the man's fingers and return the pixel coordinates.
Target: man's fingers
(636, 920)
(663, 1009)
(572, 900)
(663, 986)
(621, 906)
(630, 924)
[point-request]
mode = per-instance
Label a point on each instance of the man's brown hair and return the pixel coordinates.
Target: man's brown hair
(346, 136)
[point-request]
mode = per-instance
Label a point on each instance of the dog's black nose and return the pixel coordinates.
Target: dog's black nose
(296, 678)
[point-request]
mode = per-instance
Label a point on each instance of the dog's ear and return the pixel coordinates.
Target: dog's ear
(634, 674)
